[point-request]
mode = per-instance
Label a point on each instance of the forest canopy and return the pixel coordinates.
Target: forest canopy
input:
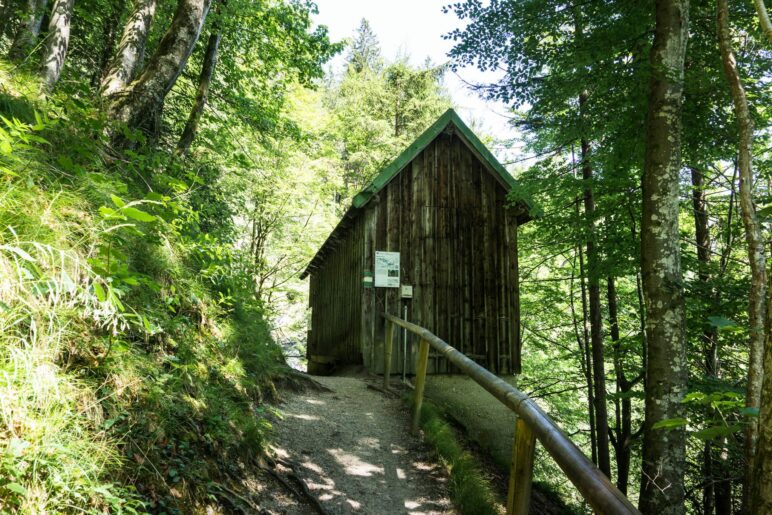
(170, 167)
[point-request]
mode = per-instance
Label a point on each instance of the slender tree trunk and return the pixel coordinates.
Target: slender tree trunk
(623, 407)
(108, 39)
(139, 105)
(593, 284)
(131, 49)
(28, 30)
(204, 80)
(754, 240)
(761, 494)
(585, 348)
(584, 342)
(58, 41)
(596, 323)
(662, 478)
(710, 471)
(766, 24)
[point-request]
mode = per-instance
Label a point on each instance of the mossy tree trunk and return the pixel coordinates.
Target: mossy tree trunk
(761, 493)
(662, 477)
(139, 105)
(131, 49)
(28, 29)
(204, 82)
(753, 238)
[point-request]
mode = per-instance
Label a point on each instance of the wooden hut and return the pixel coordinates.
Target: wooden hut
(432, 239)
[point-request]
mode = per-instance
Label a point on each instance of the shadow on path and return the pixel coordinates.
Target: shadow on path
(354, 449)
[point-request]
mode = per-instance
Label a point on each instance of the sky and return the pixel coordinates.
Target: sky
(415, 28)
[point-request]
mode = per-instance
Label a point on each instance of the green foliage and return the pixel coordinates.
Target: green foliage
(377, 112)
(364, 51)
(133, 351)
(577, 76)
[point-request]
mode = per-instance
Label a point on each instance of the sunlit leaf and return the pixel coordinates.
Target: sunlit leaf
(136, 214)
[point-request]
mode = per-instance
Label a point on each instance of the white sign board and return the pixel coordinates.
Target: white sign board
(386, 269)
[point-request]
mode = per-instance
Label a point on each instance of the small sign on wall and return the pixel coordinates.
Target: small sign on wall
(386, 269)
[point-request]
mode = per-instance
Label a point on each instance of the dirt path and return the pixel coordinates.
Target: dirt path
(354, 449)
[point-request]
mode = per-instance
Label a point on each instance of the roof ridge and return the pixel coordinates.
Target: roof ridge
(421, 142)
(393, 169)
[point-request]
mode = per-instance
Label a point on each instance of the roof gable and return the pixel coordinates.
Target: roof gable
(411, 152)
(385, 176)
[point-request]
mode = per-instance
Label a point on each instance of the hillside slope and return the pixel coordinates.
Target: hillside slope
(134, 360)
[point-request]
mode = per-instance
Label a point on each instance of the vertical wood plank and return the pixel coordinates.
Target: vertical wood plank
(387, 348)
(521, 470)
(420, 383)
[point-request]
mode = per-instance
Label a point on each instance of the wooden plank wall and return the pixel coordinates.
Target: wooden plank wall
(335, 299)
(445, 213)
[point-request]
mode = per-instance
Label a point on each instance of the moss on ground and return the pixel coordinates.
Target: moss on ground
(470, 489)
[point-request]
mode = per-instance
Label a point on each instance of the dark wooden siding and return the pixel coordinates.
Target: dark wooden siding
(446, 214)
(335, 299)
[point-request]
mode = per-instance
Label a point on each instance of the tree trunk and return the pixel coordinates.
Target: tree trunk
(28, 30)
(596, 324)
(139, 105)
(108, 37)
(584, 347)
(662, 477)
(761, 493)
(204, 80)
(588, 370)
(593, 285)
(766, 24)
(58, 41)
(753, 238)
(623, 408)
(131, 49)
(710, 471)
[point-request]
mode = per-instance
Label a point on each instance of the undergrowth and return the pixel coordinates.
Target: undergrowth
(134, 360)
(470, 490)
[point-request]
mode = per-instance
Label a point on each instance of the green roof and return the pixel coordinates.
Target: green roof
(392, 170)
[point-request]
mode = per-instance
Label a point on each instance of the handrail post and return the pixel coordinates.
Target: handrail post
(420, 382)
(387, 346)
(521, 469)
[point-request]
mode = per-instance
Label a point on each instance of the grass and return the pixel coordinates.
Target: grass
(470, 490)
(132, 371)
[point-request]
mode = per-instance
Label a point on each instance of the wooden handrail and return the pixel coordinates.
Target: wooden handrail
(594, 486)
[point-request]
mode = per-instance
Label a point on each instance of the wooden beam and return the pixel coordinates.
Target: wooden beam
(420, 383)
(387, 346)
(521, 470)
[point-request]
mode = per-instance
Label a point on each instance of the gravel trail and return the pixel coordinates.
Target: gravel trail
(353, 448)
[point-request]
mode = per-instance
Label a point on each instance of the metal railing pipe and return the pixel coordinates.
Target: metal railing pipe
(594, 486)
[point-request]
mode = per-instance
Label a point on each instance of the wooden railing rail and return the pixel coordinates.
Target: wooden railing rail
(532, 424)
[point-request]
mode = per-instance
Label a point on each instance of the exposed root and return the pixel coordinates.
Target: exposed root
(389, 392)
(232, 497)
(303, 493)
